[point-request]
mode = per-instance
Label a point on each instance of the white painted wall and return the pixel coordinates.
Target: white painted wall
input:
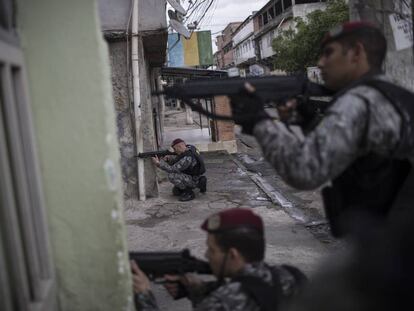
(244, 50)
(299, 10)
(243, 33)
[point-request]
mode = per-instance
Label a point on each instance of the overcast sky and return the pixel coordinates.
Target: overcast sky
(227, 11)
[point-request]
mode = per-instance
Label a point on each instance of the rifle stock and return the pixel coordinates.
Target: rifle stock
(157, 264)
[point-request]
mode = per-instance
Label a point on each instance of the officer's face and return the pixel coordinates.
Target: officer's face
(215, 256)
(179, 148)
(337, 65)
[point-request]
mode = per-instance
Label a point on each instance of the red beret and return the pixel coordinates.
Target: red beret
(231, 219)
(176, 141)
(345, 29)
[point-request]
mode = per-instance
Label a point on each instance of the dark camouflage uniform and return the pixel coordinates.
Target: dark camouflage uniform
(175, 172)
(360, 121)
(228, 296)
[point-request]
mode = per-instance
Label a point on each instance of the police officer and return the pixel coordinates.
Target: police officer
(185, 171)
(364, 143)
(235, 252)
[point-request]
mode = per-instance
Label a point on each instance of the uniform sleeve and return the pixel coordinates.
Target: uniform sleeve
(308, 162)
(177, 167)
(146, 302)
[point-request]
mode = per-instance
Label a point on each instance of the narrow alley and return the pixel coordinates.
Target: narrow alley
(165, 224)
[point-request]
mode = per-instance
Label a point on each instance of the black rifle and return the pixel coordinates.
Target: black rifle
(270, 89)
(150, 154)
(157, 264)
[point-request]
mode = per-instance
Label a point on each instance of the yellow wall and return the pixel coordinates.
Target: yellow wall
(190, 48)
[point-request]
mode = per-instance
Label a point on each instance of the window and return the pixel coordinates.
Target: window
(264, 16)
(278, 8)
(271, 13)
(306, 1)
(287, 4)
(26, 275)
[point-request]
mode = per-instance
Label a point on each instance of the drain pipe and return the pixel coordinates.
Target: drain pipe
(137, 100)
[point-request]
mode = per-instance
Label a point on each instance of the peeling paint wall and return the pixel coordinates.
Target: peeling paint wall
(146, 86)
(69, 81)
(124, 118)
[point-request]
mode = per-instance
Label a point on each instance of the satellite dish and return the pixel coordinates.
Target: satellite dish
(175, 15)
(177, 6)
(180, 28)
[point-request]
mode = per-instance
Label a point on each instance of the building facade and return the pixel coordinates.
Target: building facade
(244, 46)
(271, 19)
(224, 56)
(117, 27)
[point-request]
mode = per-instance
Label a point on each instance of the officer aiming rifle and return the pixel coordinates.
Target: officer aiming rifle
(185, 170)
(235, 252)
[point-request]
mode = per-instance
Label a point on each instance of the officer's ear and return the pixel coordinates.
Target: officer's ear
(359, 52)
(235, 255)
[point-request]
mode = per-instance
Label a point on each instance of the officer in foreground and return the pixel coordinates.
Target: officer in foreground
(364, 143)
(185, 171)
(235, 252)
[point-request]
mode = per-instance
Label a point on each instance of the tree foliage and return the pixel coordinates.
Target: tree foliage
(296, 50)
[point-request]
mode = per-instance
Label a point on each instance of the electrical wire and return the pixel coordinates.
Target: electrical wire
(211, 14)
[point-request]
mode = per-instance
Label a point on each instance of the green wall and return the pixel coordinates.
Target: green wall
(69, 83)
(205, 48)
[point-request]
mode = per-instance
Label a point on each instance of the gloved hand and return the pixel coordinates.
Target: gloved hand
(247, 109)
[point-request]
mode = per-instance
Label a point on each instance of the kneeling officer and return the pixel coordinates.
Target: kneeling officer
(185, 170)
(235, 252)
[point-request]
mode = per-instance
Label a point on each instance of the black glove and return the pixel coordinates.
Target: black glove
(247, 110)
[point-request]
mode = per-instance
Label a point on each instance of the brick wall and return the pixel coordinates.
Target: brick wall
(224, 129)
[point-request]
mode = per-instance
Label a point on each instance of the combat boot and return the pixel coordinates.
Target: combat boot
(202, 184)
(177, 191)
(187, 195)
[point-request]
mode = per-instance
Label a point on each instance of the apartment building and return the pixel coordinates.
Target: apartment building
(274, 17)
(243, 46)
(224, 58)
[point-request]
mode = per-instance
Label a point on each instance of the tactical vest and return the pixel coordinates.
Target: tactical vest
(269, 297)
(375, 185)
(197, 170)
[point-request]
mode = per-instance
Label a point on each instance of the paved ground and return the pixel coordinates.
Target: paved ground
(304, 206)
(166, 224)
(294, 221)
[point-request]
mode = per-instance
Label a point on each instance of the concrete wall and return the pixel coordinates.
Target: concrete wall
(152, 26)
(399, 64)
(266, 49)
(69, 81)
(146, 87)
(124, 118)
(152, 15)
(115, 14)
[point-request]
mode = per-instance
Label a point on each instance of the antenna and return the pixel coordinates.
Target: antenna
(177, 6)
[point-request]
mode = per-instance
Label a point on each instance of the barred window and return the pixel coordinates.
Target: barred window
(26, 274)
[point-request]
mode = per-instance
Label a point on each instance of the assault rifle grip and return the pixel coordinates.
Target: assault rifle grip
(157, 264)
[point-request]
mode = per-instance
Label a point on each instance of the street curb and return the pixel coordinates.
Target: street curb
(273, 194)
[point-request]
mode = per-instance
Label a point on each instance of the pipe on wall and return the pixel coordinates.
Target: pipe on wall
(137, 100)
